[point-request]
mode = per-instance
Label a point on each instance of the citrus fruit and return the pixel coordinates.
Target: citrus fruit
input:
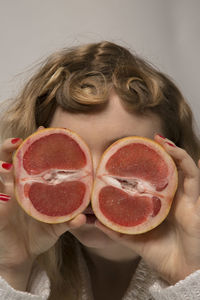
(134, 185)
(53, 175)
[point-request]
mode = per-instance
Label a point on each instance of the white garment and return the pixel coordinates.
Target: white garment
(144, 285)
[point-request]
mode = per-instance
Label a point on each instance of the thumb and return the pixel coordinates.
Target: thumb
(139, 243)
(198, 163)
(61, 228)
(130, 241)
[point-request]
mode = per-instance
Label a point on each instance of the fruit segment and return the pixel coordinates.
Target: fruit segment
(53, 175)
(140, 161)
(127, 210)
(65, 197)
(134, 187)
(61, 152)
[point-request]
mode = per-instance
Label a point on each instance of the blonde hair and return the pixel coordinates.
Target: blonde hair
(80, 79)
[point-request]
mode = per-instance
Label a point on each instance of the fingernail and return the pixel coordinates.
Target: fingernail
(170, 144)
(4, 197)
(161, 136)
(15, 140)
(6, 166)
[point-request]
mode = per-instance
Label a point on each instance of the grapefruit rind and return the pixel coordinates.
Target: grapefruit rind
(166, 196)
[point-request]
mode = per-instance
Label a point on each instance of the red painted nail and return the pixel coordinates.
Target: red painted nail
(6, 166)
(161, 136)
(15, 140)
(4, 197)
(170, 144)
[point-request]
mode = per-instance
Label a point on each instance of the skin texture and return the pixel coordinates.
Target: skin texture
(172, 249)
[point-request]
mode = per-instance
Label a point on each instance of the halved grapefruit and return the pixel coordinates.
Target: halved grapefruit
(134, 186)
(53, 175)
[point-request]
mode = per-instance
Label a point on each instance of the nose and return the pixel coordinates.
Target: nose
(96, 159)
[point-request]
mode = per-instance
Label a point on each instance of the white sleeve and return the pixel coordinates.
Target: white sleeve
(39, 288)
(187, 289)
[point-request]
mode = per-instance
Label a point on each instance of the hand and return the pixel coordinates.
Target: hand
(173, 248)
(22, 238)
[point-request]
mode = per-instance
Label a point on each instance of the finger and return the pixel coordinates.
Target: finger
(78, 221)
(140, 244)
(111, 233)
(40, 128)
(199, 163)
(8, 147)
(5, 208)
(198, 201)
(181, 157)
(6, 174)
(185, 164)
(6, 178)
(4, 198)
(183, 160)
(130, 241)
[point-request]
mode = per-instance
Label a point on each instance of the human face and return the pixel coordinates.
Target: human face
(99, 129)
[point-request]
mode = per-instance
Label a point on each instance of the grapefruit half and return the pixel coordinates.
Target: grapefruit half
(134, 186)
(53, 175)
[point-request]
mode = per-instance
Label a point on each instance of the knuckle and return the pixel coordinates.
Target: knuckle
(6, 154)
(196, 173)
(5, 144)
(9, 145)
(183, 153)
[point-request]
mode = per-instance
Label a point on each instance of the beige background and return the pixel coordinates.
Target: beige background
(167, 32)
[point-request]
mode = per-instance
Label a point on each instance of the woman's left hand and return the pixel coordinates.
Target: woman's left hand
(173, 248)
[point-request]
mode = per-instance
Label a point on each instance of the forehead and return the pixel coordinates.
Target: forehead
(108, 124)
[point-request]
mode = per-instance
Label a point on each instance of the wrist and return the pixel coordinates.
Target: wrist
(178, 276)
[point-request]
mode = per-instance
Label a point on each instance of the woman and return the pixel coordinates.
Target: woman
(102, 92)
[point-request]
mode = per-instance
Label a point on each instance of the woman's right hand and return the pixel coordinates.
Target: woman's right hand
(22, 238)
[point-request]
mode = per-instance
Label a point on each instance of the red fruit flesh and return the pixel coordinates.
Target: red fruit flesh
(141, 206)
(140, 161)
(134, 187)
(58, 206)
(63, 153)
(53, 175)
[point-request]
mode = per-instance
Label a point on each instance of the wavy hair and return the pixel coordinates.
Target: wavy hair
(80, 79)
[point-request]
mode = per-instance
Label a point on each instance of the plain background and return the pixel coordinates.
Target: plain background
(166, 32)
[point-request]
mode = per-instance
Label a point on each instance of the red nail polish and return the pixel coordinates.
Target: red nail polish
(170, 144)
(6, 166)
(161, 136)
(4, 197)
(15, 140)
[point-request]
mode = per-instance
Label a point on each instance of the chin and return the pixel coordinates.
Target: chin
(92, 237)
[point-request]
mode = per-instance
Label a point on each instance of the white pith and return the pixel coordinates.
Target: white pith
(54, 176)
(131, 185)
(134, 187)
